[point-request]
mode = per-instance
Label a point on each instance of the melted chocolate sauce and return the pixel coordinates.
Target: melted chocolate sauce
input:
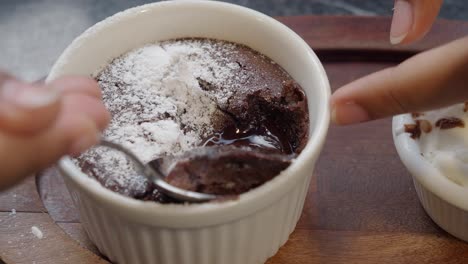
(261, 137)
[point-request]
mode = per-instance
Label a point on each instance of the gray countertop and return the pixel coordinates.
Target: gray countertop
(35, 32)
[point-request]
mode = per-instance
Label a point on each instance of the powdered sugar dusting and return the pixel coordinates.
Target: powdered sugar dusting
(157, 104)
(114, 171)
(163, 102)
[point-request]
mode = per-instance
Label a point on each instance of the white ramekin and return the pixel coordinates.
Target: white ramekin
(248, 230)
(444, 201)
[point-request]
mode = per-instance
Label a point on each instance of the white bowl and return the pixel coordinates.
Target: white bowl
(248, 230)
(444, 201)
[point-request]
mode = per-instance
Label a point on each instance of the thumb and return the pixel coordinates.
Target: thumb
(412, 19)
(76, 128)
(25, 108)
(40, 124)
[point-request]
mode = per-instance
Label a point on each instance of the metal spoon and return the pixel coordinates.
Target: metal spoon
(157, 177)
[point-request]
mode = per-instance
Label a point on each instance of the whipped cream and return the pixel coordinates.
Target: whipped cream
(443, 140)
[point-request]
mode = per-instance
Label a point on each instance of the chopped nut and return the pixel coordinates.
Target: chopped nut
(425, 125)
(414, 130)
(450, 122)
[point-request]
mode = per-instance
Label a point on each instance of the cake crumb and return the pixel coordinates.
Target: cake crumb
(37, 232)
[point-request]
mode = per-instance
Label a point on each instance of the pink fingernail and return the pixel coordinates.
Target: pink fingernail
(28, 96)
(349, 113)
(402, 21)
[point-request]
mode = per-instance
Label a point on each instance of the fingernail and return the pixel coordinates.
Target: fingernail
(83, 144)
(349, 113)
(28, 96)
(402, 21)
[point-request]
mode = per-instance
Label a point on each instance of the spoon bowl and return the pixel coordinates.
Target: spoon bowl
(156, 176)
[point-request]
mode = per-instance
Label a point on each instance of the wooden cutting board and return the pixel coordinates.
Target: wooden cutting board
(361, 206)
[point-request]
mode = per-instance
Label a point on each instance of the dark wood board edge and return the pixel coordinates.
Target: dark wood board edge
(333, 37)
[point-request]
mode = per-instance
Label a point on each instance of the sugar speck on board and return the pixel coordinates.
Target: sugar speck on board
(13, 212)
(37, 232)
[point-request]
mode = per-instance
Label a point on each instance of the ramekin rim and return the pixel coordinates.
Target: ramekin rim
(309, 154)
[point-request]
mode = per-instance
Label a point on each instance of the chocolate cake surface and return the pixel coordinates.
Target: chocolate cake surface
(169, 98)
(223, 170)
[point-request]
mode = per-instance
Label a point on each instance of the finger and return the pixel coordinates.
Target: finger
(430, 80)
(90, 106)
(25, 108)
(412, 19)
(75, 130)
(77, 84)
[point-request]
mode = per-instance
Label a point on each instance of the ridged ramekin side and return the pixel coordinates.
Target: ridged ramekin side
(250, 239)
(449, 217)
